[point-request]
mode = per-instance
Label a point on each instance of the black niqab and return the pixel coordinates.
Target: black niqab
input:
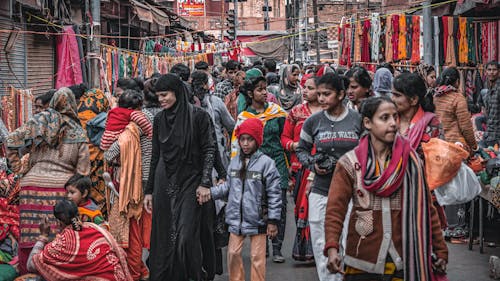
(176, 125)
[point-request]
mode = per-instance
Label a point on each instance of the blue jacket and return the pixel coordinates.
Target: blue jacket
(254, 203)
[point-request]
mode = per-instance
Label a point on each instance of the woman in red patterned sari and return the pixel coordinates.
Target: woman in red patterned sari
(302, 249)
(81, 251)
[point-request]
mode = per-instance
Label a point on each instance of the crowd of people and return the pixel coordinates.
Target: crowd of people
(187, 163)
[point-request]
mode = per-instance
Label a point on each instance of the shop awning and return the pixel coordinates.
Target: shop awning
(149, 13)
(142, 11)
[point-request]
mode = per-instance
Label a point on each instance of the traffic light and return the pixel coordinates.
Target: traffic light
(231, 25)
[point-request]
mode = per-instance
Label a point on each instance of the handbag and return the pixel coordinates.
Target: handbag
(461, 189)
(442, 161)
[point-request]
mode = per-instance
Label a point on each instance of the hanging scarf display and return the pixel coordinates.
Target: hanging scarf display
(409, 36)
(463, 50)
(395, 37)
(415, 41)
(375, 36)
(365, 41)
(471, 41)
(402, 38)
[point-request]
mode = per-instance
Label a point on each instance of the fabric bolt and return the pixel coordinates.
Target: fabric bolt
(382, 39)
(257, 257)
(442, 41)
(409, 37)
(402, 38)
(421, 40)
(456, 39)
(375, 36)
(395, 38)
(471, 40)
(69, 71)
(450, 45)
(358, 37)
(365, 42)
(463, 50)
(415, 39)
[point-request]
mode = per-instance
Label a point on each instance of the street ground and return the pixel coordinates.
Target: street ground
(464, 265)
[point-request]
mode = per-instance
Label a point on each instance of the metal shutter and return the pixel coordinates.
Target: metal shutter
(40, 53)
(15, 74)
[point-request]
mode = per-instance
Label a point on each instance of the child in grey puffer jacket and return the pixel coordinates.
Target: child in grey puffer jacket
(253, 197)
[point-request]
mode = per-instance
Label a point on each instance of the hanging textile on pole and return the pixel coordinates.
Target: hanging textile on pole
(69, 71)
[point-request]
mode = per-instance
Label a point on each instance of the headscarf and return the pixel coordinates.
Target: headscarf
(324, 70)
(305, 78)
(382, 81)
(290, 94)
(443, 90)
(176, 123)
(403, 171)
(253, 73)
(423, 70)
(58, 124)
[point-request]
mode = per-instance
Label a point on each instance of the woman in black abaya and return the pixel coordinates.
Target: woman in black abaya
(182, 162)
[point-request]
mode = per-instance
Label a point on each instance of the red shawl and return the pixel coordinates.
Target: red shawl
(89, 254)
(418, 125)
(118, 119)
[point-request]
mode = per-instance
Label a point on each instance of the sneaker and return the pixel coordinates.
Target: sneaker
(278, 257)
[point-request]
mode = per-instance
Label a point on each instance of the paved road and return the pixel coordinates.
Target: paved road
(290, 270)
(464, 265)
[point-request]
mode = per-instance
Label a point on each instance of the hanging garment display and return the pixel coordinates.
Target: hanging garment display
(17, 107)
(463, 50)
(365, 41)
(402, 38)
(415, 41)
(69, 71)
(375, 36)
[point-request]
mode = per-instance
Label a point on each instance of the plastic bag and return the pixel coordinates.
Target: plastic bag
(442, 161)
(461, 189)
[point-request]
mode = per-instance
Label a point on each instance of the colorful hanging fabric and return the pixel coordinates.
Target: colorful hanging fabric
(121, 65)
(395, 37)
(415, 41)
(365, 41)
(388, 38)
(437, 42)
(463, 50)
(409, 37)
(456, 38)
(69, 70)
(489, 32)
(402, 38)
(357, 41)
(450, 46)
(445, 38)
(375, 36)
(479, 41)
(471, 41)
(382, 44)
(421, 35)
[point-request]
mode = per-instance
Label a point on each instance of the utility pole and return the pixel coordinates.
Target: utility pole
(427, 32)
(266, 15)
(94, 79)
(316, 27)
(235, 19)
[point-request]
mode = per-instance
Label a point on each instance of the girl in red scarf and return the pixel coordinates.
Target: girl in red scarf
(79, 252)
(302, 248)
(393, 229)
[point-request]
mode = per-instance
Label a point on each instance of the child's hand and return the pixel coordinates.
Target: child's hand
(44, 226)
(203, 194)
(272, 230)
